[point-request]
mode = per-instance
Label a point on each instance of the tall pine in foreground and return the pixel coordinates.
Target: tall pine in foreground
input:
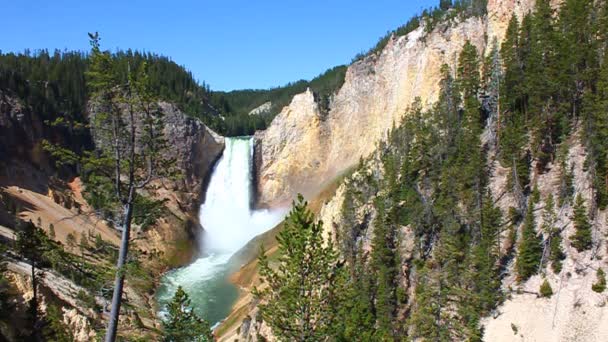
(130, 155)
(181, 323)
(299, 296)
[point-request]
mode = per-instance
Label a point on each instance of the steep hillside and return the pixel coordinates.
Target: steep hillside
(477, 210)
(36, 187)
(305, 146)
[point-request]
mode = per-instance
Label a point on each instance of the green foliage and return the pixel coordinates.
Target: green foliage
(54, 84)
(71, 241)
(87, 300)
(530, 248)
(600, 285)
(431, 17)
(581, 239)
(383, 266)
(52, 231)
(545, 289)
(300, 295)
(556, 253)
(147, 211)
(181, 324)
(596, 135)
(55, 329)
(236, 105)
(566, 177)
(433, 181)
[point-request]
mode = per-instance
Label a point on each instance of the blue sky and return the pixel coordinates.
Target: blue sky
(230, 44)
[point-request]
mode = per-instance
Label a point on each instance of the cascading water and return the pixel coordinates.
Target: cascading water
(229, 224)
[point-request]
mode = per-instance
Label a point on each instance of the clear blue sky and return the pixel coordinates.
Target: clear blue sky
(230, 44)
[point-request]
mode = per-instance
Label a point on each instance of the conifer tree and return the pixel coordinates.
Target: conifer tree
(554, 238)
(302, 293)
(430, 310)
(31, 244)
(131, 152)
(55, 328)
(513, 74)
(486, 273)
(596, 135)
(600, 285)
(530, 250)
(581, 239)
(181, 323)
(52, 231)
(384, 268)
(545, 289)
(356, 310)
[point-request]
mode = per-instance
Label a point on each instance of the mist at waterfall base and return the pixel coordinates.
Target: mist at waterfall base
(229, 223)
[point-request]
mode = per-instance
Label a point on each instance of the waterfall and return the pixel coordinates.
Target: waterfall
(226, 214)
(229, 223)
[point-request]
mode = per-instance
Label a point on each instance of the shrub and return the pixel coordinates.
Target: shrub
(600, 285)
(545, 289)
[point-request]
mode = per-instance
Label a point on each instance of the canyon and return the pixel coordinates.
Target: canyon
(310, 148)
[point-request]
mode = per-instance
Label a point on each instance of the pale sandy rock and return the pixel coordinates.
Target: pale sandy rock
(264, 108)
(79, 325)
(574, 312)
(62, 288)
(500, 12)
(303, 148)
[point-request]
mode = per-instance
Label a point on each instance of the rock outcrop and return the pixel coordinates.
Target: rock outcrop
(304, 148)
(196, 148)
(263, 108)
(28, 180)
(20, 131)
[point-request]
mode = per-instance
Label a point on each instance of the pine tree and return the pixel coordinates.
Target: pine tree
(84, 243)
(581, 239)
(430, 307)
(52, 231)
(530, 250)
(545, 289)
(554, 238)
(301, 295)
(181, 324)
(384, 269)
(486, 273)
(31, 243)
(55, 328)
(600, 285)
(131, 153)
(71, 241)
(513, 74)
(357, 307)
(596, 135)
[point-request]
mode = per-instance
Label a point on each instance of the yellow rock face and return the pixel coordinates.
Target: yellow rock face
(304, 148)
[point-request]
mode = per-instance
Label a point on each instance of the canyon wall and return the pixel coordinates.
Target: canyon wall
(305, 148)
(46, 193)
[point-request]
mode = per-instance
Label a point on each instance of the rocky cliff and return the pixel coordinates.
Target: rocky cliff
(196, 148)
(304, 148)
(33, 188)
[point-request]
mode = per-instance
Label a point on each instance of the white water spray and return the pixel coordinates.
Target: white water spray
(229, 223)
(227, 218)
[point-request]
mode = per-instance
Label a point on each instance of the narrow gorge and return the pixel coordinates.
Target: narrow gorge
(229, 222)
(448, 184)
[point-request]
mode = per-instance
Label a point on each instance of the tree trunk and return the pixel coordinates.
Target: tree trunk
(34, 302)
(120, 275)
